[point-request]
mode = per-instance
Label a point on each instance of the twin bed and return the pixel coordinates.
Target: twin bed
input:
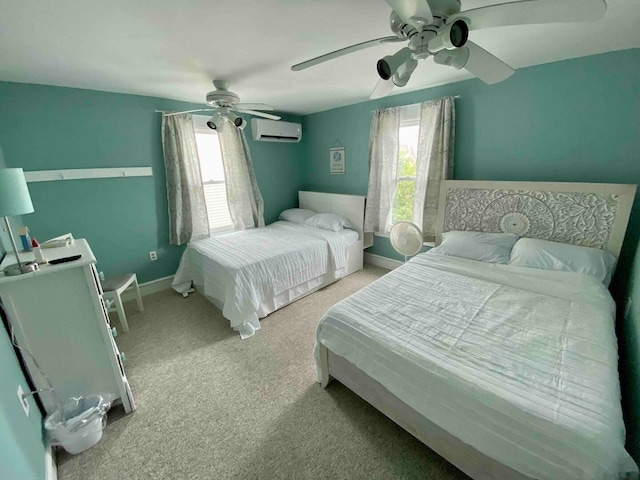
(508, 372)
(253, 273)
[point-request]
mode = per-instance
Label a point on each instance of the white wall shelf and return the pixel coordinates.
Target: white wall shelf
(86, 173)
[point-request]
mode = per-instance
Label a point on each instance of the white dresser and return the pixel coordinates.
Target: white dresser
(58, 313)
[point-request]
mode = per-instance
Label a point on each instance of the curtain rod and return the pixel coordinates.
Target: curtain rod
(418, 103)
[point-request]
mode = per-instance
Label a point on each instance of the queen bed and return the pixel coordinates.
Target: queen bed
(252, 273)
(505, 371)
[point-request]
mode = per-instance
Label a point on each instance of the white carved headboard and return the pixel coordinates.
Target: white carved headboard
(586, 214)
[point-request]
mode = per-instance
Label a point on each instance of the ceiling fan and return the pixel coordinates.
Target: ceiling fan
(224, 103)
(438, 29)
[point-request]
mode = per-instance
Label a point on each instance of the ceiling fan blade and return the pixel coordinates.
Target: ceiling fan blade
(487, 67)
(256, 114)
(382, 89)
(413, 12)
(189, 111)
(529, 12)
(254, 106)
(345, 51)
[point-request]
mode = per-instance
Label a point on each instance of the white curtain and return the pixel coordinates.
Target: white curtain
(434, 161)
(383, 158)
(187, 207)
(246, 206)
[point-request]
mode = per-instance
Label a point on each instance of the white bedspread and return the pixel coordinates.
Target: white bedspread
(519, 363)
(261, 262)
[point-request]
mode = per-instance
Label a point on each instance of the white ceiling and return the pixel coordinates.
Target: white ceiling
(173, 49)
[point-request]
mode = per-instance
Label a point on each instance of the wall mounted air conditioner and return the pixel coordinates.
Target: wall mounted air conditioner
(275, 130)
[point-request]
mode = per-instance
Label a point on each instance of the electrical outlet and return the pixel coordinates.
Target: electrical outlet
(23, 401)
(153, 256)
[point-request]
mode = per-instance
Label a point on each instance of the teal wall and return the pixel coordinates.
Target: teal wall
(629, 340)
(45, 128)
(5, 242)
(4, 238)
(21, 439)
(574, 121)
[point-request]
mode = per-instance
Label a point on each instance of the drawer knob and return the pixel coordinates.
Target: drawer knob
(107, 303)
(114, 332)
(123, 357)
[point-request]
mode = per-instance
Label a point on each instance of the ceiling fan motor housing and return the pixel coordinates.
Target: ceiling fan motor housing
(218, 98)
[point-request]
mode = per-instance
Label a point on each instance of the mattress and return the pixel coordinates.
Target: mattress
(519, 363)
(246, 267)
(350, 236)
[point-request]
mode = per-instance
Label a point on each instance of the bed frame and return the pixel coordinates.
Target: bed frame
(554, 210)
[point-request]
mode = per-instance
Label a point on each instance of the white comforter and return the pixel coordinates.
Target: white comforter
(519, 363)
(257, 263)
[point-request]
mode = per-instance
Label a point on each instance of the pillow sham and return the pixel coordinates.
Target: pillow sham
(296, 215)
(481, 246)
(328, 221)
(547, 255)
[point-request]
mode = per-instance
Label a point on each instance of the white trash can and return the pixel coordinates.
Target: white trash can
(78, 426)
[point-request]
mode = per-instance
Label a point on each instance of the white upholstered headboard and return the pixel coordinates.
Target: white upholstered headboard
(349, 206)
(586, 214)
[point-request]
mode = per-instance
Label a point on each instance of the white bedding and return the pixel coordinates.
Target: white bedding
(259, 263)
(519, 363)
(350, 236)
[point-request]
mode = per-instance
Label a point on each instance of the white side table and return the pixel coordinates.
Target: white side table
(113, 287)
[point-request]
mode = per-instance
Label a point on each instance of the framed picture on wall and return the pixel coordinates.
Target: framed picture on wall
(337, 160)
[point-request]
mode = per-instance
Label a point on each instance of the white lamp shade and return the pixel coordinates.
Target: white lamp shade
(14, 194)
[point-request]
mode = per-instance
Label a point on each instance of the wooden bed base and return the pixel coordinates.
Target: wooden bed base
(456, 452)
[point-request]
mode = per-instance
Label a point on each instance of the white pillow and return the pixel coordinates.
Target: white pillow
(485, 247)
(328, 221)
(296, 215)
(534, 253)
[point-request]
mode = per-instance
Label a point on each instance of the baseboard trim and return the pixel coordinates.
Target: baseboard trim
(148, 288)
(51, 470)
(380, 261)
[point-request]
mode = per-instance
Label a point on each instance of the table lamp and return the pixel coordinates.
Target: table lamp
(15, 200)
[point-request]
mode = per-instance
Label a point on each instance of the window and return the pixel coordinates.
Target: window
(213, 181)
(406, 170)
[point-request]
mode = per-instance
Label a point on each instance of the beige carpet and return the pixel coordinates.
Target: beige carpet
(212, 406)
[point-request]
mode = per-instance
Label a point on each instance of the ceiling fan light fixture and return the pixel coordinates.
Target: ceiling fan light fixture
(389, 65)
(237, 121)
(457, 58)
(454, 35)
(403, 74)
(216, 122)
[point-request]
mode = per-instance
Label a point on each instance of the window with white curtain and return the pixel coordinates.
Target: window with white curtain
(403, 201)
(213, 180)
(410, 154)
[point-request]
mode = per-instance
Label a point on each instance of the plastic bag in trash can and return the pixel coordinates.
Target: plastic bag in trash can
(78, 426)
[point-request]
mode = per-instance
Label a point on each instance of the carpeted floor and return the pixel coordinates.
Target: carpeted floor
(212, 406)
